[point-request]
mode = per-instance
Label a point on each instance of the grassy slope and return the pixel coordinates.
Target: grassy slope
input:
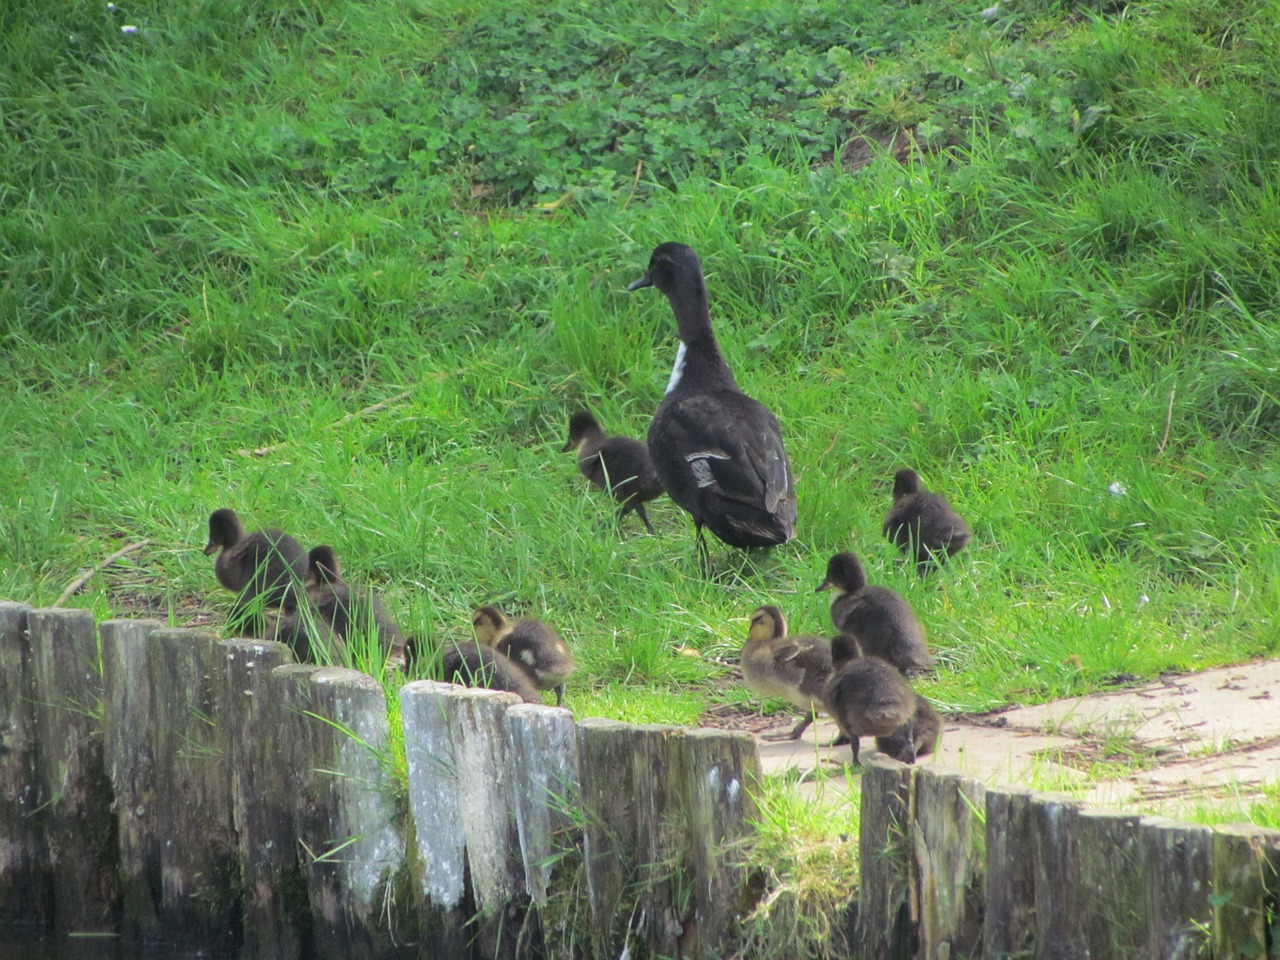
(235, 227)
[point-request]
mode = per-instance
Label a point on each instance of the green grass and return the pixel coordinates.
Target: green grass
(237, 227)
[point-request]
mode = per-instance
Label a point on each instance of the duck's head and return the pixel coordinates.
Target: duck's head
(582, 427)
(767, 623)
(844, 575)
(489, 624)
(225, 530)
(671, 267)
(322, 566)
(906, 482)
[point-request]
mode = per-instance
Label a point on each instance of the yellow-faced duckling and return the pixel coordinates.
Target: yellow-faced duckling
(530, 644)
(335, 610)
(882, 621)
(473, 665)
(619, 466)
(925, 527)
(718, 452)
(266, 565)
(795, 669)
(916, 738)
(865, 696)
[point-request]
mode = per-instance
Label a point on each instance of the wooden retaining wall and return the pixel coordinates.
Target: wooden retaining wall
(175, 788)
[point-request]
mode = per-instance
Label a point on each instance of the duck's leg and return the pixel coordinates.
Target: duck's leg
(559, 694)
(639, 509)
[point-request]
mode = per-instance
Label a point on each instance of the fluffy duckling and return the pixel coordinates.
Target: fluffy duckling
(795, 669)
(917, 738)
(336, 609)
(866, 696)
(473, 665)
(924, 525)
(619, 466)
(718, 452)
(882, 621)
(266, 563)
(530, 644)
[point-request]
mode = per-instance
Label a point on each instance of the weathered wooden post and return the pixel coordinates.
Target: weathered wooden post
(884, 929)
(73, 792)
(435, 805)
(610, 853)
(333, 731)
(949, 869)
(1246, 886)
(1059, 934)
(544, 761)
(1110, 892)
(723, 776)
(26, 881)
(199, 856)
(272, 884)
(127, 726)
(1009, 920)
(1176, 866)
(664, 851)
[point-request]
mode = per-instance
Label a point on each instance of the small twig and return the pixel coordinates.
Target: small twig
(78, 583)
(1168, 422)
(635, 182)
(372, 408)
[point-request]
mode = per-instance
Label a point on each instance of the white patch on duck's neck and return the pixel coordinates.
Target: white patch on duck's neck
(677, 371)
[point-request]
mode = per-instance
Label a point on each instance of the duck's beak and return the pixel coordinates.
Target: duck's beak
(640, 284)
(210, 548)
(824, 585)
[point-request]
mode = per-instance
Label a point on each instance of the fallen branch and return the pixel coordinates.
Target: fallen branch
(78, 583)
(372, 408)
(1168, 422)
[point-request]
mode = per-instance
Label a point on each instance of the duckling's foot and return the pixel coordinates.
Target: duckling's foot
(794, 734)
(840, 741)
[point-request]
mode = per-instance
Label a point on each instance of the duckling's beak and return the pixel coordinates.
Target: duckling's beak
(568, 445)
(640, 284)
(824, 585)
(210, 548)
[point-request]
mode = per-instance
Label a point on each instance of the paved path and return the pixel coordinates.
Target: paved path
(1163, 744)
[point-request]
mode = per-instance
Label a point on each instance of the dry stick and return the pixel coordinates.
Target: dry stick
(372, 408)
(635, 182)
(1168, 422)
(75, 585)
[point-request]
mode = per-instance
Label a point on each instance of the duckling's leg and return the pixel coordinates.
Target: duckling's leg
(559, 694)
(639, 509)
(795, 734)
(854, 743)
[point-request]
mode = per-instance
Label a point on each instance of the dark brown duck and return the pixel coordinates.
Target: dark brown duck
(881, 620)
(923, 525)
(262, 568)
(866, 696)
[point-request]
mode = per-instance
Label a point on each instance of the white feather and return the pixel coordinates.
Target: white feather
(677, 371)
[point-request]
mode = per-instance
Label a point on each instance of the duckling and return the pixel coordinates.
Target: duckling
(618, 465)
(924, 525)
(473, 665)
(718, 452)
(865, 696)
(266, 563)
(530, 644)
(917, 738)
(336, 608)
(881, 620)
(795, 669)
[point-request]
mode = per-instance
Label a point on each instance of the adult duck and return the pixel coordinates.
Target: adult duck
(620, 466)
(718, 452)
(924, 525)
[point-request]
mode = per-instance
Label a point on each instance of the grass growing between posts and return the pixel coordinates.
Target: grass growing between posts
(349, 270)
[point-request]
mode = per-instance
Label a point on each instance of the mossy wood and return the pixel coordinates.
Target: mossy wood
(72, 802)
(544, 766)
(128, 724)
(1245, 891)
(886, 925)
(1009, 919)
(723, 771)
(1110, 893)
(25, 872)
(949, 838)
(271, 882)
(1059, 931)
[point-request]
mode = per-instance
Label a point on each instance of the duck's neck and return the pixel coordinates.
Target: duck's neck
(699, 362)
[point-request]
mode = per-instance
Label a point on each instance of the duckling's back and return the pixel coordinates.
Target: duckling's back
(885, 626)
(795, 669)
(868, 697)
(539, 651)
